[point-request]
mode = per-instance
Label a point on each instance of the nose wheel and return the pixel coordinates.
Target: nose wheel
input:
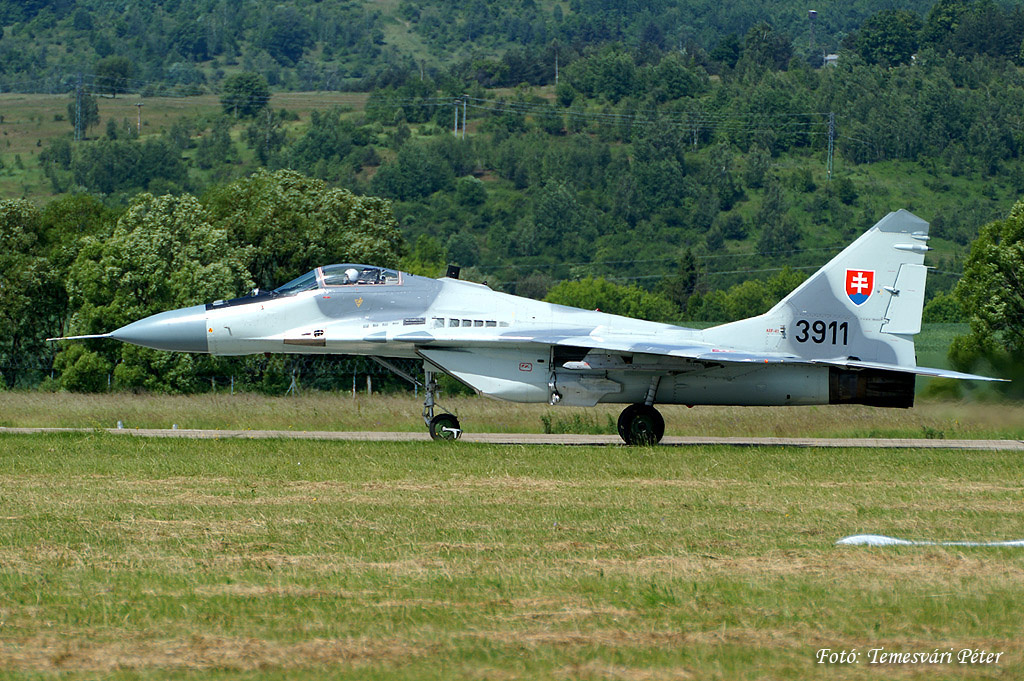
(641, 424)
(441, 426)
(445, 427)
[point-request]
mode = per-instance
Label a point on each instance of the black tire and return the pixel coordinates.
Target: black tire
(445, 427)
(640, 424)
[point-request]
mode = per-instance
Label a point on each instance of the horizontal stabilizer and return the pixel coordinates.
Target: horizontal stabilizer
(919, 371)
(710, 354)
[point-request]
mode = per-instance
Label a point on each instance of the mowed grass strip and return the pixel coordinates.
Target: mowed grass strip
(274, 559)
(316, 411)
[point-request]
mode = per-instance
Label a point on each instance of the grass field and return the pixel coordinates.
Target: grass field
(401, 412)
(139, 558)
(31, 121)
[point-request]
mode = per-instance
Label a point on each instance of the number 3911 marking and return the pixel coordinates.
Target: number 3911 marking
(834, 333)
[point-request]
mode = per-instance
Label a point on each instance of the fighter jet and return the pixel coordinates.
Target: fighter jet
(844, 336)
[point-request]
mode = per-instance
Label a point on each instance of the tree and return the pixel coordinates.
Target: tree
(164, 253)
(108, 166)
(679, 285)
(601, 294)
(244, 95)
(990, 30)
(765, 47)
(286, 35)
(189, 38)
(888, 37)
(559, 223)
(611, 73)
(417, 172)
(322, 150)
(727, 51)
(674, 78)
(758, 165)
(266, 135)
(32, 300)
(942, 22)
(216, 148)
(991, 293)
(113, 74)
(778, 231)
(427, 258)
(746, 299)
(296, 223)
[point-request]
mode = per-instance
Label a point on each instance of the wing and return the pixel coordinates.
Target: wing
(590, 338)
(709, 354)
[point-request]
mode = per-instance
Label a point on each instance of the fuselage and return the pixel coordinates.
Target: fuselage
(504, 346)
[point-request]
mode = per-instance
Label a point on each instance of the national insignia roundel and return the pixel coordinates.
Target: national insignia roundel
(859, 285)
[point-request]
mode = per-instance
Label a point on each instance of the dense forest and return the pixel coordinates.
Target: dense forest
(356, 45)
(675, 161)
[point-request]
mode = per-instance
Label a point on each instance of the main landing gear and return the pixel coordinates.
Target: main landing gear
(641, 423)
(443, 426)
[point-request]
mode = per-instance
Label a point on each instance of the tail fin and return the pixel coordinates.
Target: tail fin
(867, 301)
(865, 304)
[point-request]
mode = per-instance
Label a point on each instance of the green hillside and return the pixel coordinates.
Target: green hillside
(341, 44)
(704, 182)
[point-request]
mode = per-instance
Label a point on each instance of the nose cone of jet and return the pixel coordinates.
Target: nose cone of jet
(181, 330)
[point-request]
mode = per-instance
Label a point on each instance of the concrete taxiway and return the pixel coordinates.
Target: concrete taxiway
(542, 438)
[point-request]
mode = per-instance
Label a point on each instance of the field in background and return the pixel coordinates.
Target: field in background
(30, 122)
(340, 411)
(143, 558)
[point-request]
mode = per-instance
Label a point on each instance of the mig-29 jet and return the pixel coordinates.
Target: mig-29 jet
(845, 335)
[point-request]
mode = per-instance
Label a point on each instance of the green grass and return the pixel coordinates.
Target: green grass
(139, 558)
(401, 412)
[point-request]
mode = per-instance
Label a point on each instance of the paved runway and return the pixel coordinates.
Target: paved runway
(544, 439)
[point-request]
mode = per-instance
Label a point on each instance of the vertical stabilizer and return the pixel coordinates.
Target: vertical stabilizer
(865, 303)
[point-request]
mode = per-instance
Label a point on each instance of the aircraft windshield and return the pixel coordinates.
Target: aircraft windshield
(306, 282)
(358, 275)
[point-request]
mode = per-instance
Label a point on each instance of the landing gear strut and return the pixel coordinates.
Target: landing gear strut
(442, 426)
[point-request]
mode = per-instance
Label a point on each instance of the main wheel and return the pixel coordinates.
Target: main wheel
(445, 427)
(640, 424)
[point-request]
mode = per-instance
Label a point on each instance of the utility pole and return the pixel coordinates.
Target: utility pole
(78, 109)
(139, 105)
(455, 128)
(831, 144)
(812, 15)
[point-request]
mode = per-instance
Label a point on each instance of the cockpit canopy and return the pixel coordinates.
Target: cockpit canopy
(341, 275)
(322, 277)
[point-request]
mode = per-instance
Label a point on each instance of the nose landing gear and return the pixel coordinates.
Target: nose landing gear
(442, 426)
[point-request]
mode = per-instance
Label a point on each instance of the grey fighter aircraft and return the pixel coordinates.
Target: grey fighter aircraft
(845, 335)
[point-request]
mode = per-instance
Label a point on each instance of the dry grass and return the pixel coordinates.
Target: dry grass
(339, 411)
(282, 559)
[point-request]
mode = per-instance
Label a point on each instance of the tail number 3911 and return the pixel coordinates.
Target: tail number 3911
(819, 331)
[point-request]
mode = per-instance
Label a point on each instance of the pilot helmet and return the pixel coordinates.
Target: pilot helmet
(351, 275)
